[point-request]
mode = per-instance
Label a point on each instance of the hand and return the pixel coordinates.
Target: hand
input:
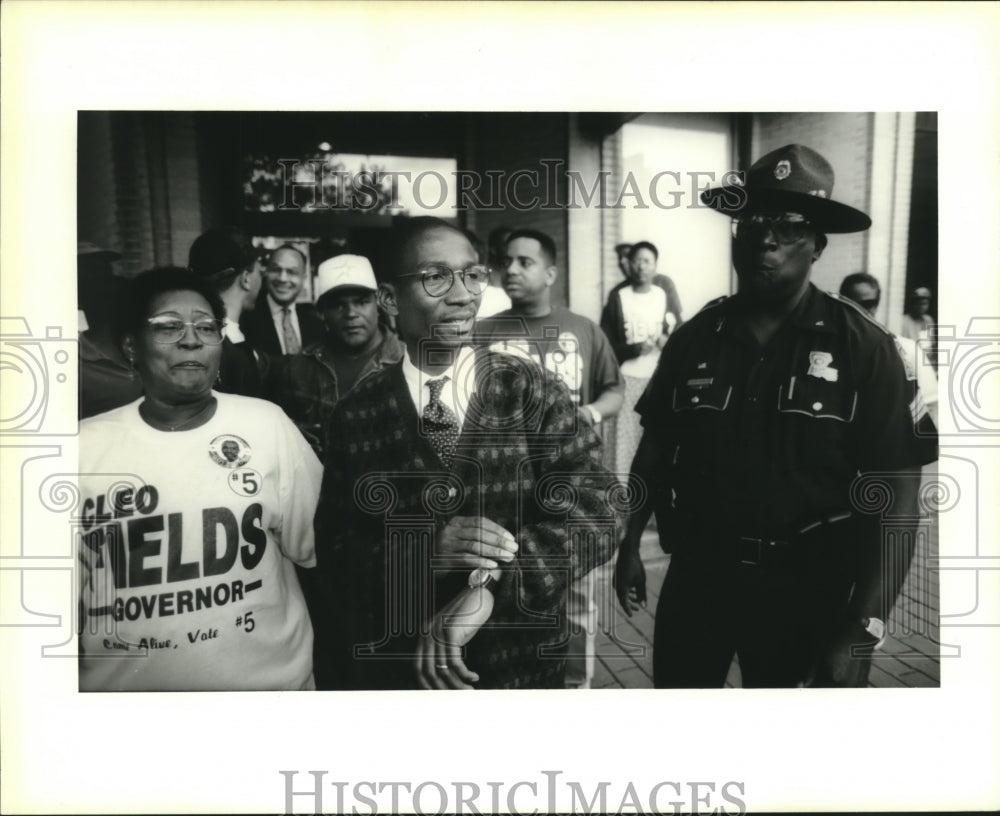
(475, 541)
(630, 579)
(585, 416)
(439, 663)
(846, 661)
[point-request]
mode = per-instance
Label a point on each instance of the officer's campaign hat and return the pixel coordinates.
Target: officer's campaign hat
(793, 178)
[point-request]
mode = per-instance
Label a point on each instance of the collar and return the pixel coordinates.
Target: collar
(232, 332)
(416, 378)
(812, 313)
(276, 308)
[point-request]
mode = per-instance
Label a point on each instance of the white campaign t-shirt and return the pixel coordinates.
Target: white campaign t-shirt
(187, 546)
(643, 314)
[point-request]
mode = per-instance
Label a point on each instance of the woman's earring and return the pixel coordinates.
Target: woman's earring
(132, 373)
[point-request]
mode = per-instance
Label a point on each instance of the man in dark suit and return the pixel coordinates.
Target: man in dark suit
(278, 324)
(461, 495)
(225, 257)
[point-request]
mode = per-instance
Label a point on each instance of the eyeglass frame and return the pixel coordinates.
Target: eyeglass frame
(219, 324)
(769, 221)
(277, 272)
(422, 274)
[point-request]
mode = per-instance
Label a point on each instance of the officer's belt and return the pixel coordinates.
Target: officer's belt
(805, 544)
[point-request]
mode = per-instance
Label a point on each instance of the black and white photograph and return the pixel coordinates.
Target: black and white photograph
(643, 412)
(380, 262)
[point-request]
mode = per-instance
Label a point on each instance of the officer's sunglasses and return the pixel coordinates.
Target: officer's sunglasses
(787, 228)
(437, 279)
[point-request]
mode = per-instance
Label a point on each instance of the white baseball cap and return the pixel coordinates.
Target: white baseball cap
(345, 270)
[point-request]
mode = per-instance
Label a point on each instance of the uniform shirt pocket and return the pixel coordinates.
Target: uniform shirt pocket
(702, 393)
(817, 398)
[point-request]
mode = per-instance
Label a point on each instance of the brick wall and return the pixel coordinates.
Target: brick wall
(183, 183)
(96, 217)
(138, 186)
(845, 139)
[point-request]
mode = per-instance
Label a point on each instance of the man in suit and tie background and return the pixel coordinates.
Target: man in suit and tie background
(278, 324)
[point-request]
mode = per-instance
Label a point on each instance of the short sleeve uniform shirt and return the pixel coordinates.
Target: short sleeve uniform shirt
(763, 441)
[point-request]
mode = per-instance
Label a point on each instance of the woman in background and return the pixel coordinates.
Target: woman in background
(637, 319)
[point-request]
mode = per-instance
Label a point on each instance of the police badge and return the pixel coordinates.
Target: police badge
(819, 366)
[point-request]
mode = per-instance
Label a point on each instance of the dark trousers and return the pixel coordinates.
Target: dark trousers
(779, 621)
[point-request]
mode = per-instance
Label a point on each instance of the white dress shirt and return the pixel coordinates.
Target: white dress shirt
(233, 332)
(278, 316)
(456, 391)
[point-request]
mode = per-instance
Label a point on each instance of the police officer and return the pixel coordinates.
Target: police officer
(764, 410)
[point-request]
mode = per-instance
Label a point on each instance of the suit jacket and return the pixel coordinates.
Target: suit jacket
(522, 460)
(260, 331)
(240, 371)
(305, 384)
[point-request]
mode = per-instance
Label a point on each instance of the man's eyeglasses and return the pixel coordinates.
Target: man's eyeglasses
(275, 272)
(437, 279)
(168, 330)
(787, 228)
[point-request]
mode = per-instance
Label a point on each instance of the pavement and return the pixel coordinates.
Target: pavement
(910, 656)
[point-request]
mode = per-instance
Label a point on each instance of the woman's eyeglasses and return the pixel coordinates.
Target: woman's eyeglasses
(437, 279)
(170, 330)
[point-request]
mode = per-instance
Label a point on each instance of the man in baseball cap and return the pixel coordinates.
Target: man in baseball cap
(355, 345)
(765, 409)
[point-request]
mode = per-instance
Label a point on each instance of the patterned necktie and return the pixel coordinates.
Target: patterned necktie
(440, 423)
(292, 345)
